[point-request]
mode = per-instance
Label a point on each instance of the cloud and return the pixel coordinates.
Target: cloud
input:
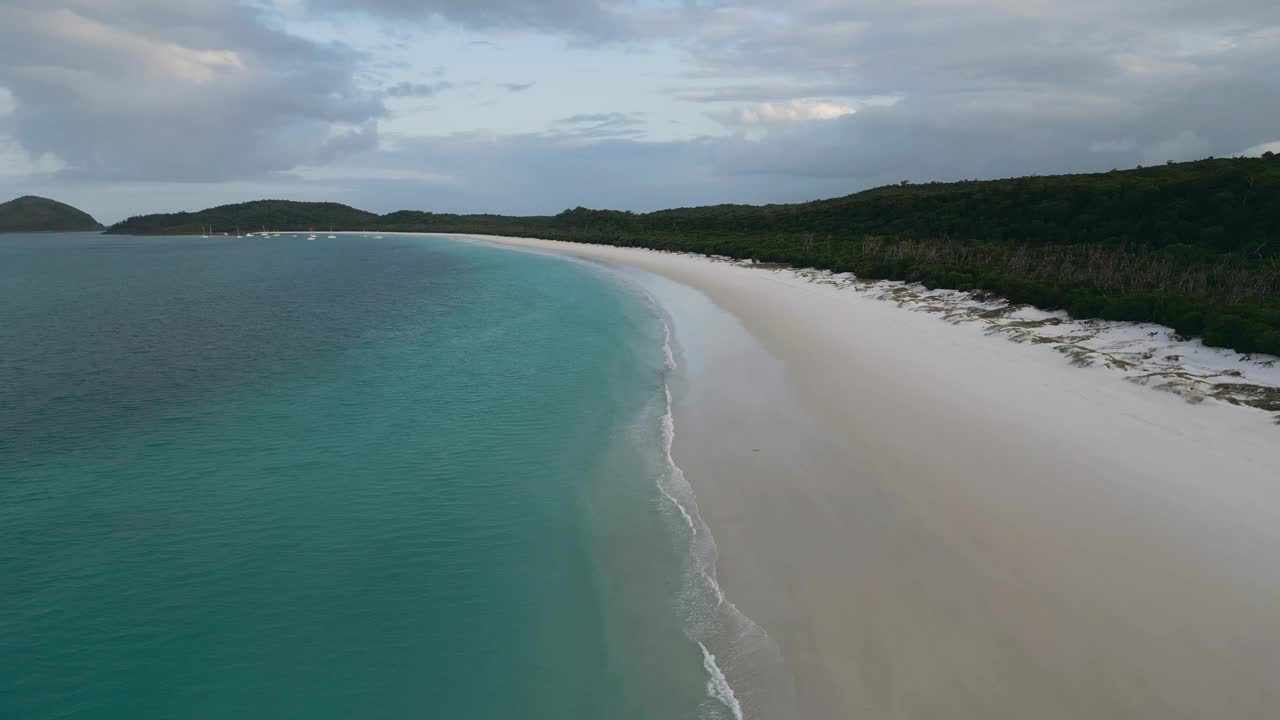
(597, 19)
(1186, 145)
(1125, 145)
(613, 118)
(548, 172)
(944, 89)
(759, 92)
(590, 126)
(983, 88)
(786, 112)
(411, 89)
(199, 90)
(349, 174)
(1256, 150)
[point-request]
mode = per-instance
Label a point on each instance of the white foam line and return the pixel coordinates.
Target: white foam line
(1144, 353)
(668, 418)
(668, 436)
(670, 357)
(718, 686)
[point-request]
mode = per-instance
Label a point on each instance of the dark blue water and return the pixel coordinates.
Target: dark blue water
(270, 478)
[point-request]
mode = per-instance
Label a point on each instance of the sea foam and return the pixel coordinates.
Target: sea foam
(718, 622)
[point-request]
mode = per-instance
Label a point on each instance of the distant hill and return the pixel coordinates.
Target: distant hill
(1194, 246)
(37, 214)
(249, 217)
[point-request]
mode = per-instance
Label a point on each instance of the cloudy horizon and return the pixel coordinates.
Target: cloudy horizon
(123, 107)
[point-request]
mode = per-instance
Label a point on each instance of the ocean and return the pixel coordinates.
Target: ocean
(344, 478)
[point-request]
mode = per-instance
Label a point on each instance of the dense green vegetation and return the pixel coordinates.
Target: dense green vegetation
(36, 214)
(249, 217)
(1195, 246)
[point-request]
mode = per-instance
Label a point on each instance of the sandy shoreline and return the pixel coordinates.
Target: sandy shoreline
(932, 523)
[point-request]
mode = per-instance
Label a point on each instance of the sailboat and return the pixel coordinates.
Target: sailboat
(331, 235)
(204, 230)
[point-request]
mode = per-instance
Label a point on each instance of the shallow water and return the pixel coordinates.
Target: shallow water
(346, 478)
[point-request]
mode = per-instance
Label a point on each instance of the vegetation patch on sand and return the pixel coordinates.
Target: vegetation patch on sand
(1144, 353)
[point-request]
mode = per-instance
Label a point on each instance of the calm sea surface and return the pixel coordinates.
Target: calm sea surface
(348, 478)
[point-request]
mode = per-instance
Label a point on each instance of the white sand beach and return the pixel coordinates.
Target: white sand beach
(932, 522)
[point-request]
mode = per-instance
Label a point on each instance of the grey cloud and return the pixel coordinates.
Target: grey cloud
(612, 125)
(1222, 101)
(199, 90)
(760, 92)
(988, 88)
(597, 19)
(613, 118)
(982, 88)
(874, 47)
(546, 173)
(412, 89)
(516, 87)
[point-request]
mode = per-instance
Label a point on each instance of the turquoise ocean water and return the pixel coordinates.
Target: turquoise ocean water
(350, 478)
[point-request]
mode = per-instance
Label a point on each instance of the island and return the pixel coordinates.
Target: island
(30, 213)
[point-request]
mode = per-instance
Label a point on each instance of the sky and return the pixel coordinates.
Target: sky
(124, 107)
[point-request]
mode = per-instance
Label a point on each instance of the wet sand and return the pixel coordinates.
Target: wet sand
(932, 523)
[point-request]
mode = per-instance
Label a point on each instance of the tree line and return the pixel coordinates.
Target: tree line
(1195, 246)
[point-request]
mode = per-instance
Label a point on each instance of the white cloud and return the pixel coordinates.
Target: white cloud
(1256, 150)
(786, 112)
(17, 164)
(166, 59)
(193, 91)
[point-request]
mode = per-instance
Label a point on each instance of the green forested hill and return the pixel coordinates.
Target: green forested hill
(1195, 246)
(249, 217)
(36, 214)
